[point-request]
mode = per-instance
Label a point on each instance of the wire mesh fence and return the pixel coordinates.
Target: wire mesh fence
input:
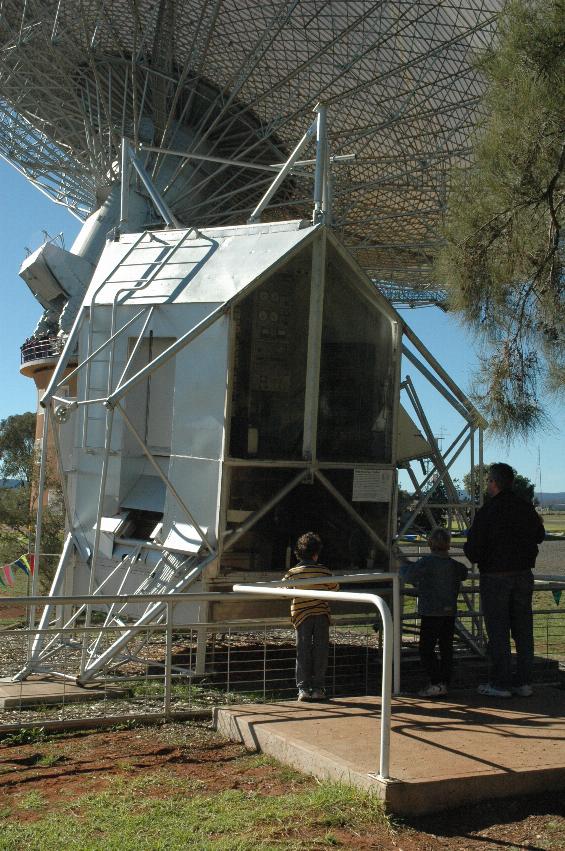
(170, 669)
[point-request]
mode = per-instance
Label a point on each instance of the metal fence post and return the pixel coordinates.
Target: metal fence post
(168, 660)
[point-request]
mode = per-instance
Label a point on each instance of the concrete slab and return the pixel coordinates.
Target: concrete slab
(443, 753)
(40, 690)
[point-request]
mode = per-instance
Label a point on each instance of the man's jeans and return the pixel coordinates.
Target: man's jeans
(506, 601)
(312, 648)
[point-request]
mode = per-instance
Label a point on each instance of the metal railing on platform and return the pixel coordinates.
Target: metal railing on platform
(245, 661)
(386, 679)
(39, 348)
(156, 675)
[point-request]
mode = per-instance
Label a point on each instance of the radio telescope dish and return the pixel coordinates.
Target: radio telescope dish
(229, 80)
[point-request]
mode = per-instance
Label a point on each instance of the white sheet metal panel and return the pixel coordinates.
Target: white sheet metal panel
(147, 494)
(410, 441)
(88, 487)
(198, 425)
(211, 266)
(183, 538)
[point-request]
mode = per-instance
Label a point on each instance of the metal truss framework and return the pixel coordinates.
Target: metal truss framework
(234, 80)
(173, 572)
(436, 476)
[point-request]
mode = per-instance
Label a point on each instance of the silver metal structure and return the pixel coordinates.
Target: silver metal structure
(193, 284)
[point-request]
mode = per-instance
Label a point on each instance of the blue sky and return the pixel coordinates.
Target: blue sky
(25, 213)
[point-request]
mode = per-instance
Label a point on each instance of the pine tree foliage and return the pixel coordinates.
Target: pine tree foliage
(474, 485)
(502, 261)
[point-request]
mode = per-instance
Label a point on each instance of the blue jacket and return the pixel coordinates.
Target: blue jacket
(437, 577)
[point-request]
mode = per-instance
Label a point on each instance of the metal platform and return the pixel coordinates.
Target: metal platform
(444, 753)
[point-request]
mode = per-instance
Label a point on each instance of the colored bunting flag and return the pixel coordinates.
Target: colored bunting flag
(556, 596)
(26, 563)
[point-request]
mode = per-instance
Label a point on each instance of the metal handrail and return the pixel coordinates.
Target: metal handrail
(386, 683)
(384, 578)
(40, 348)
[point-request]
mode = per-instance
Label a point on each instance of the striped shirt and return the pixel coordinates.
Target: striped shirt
(302, 608)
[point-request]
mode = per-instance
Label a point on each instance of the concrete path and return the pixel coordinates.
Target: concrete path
(43, 689)
(443, 753)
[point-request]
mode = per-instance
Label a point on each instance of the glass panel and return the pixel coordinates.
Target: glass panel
(356, 373)
(270, 365)
(268, 546)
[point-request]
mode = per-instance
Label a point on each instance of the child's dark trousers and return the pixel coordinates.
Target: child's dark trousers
(437, 630)
(312, 647)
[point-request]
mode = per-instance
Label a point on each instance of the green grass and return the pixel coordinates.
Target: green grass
(549, 628)
(554, 522)
(125, 816)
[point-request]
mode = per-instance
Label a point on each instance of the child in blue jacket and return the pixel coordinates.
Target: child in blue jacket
(437, 578)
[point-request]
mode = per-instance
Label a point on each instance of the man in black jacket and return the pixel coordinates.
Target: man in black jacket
(503, 541)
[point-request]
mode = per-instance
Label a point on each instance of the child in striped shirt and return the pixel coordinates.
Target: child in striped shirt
(311, 620)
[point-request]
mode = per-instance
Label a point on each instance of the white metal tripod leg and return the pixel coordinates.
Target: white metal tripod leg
(38, 641)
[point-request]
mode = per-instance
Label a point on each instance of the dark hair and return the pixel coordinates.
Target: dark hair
(439, 539)
(502, 474)
(308, 545)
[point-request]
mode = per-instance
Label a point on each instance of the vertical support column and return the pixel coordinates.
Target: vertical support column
(201, 634)
(397, 632)
(168, 660)
(317, 287)
(320, 188)
(472, 474)
(476, 596)
(96, 546)
(481, 468)
(397, 331)
(39, 518)
(124, 189)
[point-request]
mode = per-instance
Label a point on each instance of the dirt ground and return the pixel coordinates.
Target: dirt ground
(64, 767)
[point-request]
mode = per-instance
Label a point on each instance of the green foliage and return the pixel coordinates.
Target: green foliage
(15, 523)
(17, 440)
(522, 485)
(503, 257)
(25, 736)
(17, 509)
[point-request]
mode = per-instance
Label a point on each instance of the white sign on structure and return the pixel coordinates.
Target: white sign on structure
(371, 485)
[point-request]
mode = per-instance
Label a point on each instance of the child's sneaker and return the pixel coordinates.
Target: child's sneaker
(303, 695)
(433, 690)
(492, 691)
(318, 694)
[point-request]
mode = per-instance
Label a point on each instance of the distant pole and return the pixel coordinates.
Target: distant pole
(539, 476)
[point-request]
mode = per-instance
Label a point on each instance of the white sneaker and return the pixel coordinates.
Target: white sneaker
(433, 690)
(523, 691)
(493, 691)
(303, 695)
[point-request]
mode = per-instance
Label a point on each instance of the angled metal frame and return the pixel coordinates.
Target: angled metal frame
(94, 657)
